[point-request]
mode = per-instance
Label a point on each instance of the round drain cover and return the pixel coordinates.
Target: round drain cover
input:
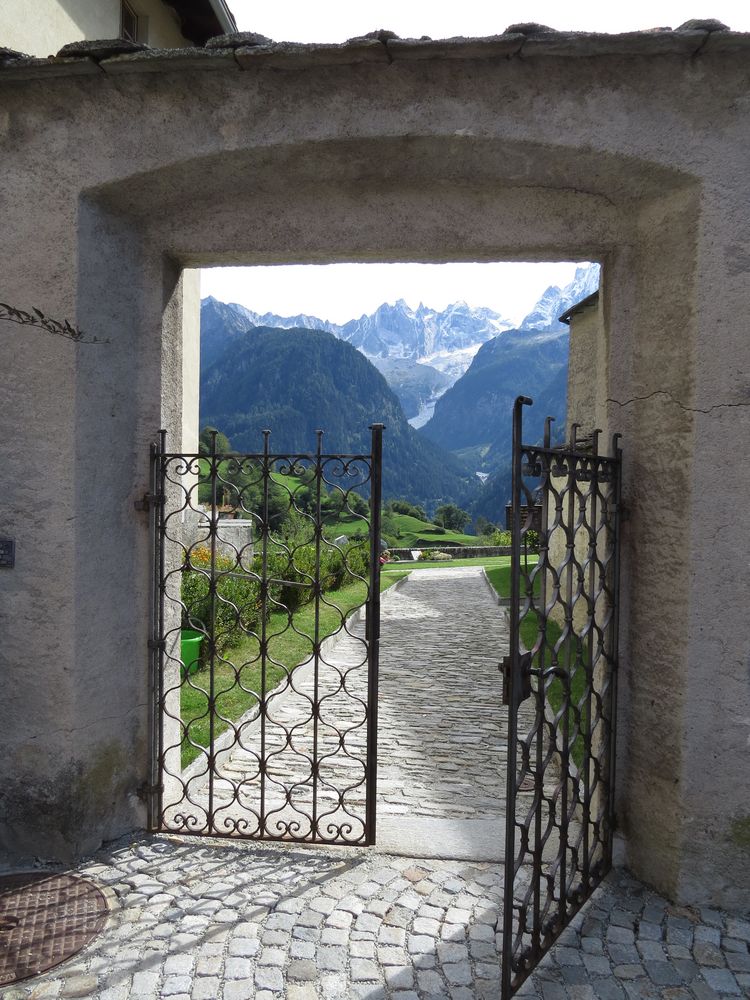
(44, 919)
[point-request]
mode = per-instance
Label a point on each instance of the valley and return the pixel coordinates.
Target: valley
(443, 381)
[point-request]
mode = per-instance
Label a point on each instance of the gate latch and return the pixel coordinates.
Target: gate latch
(524, 670)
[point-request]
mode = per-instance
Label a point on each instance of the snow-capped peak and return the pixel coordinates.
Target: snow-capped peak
(555, 301)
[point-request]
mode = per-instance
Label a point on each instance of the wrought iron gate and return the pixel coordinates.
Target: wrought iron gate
(265, 642)
(563, 655)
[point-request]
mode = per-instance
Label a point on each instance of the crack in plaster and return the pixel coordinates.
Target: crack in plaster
(96, 722)
(677, 402)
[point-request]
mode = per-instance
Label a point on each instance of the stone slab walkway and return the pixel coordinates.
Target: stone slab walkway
(443, 729)
(199, 920)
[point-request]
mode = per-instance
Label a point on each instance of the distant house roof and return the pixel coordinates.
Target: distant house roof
(203, 19)
(579, 307)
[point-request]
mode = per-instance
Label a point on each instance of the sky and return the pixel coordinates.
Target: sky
(339, 292)
(337, 20)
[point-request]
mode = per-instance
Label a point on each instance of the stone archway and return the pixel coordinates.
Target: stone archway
(627, 158)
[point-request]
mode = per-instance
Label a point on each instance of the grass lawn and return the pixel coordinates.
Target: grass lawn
(412, 533)
(499, 577)
(292, 483)
(415, 534)
(235, 682)
(408, 565)
(349, 525)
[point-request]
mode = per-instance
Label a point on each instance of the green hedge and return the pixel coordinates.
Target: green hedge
(238, 606)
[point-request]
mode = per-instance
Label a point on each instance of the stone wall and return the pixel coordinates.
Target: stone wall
(457, 551)
(120, 173)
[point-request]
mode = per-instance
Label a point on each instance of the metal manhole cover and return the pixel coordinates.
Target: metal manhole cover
(44, 919)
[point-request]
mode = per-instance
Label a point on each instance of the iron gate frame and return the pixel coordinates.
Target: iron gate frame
(155, 502)
(536, 913)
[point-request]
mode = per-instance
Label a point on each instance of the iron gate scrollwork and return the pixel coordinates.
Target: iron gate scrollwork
(563, 655)
(265, 642)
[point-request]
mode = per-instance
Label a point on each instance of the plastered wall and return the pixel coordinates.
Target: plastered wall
(587, 408)
(42, 27)
(637, 162)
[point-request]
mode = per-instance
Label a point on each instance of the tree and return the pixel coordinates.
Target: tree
(222, 442)
(452, 517)
(404, 507)
(358, 504)
(483, 526)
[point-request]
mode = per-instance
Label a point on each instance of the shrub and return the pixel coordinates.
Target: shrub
(532, 540)
(238, 607)
(500, 538)
(332, 569)
(357, 556)
(238, 604)
(297, 566)
(291, 569)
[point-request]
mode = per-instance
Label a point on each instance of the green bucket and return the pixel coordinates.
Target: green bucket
(190, 650)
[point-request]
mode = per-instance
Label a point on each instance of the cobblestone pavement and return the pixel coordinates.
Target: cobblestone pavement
(222, 921)
(442, 727)
(442, 745)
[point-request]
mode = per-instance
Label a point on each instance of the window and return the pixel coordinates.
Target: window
(128, 22)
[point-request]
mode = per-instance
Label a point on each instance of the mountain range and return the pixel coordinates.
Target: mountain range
(474, 414)
(295, 381)
(472, 418)
(456, 371)
(393, 331)
(420, 351)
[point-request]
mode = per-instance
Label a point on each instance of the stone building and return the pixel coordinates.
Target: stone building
(586, 354)
(122, 171)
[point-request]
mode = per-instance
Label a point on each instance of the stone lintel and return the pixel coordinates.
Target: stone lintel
(170, 61)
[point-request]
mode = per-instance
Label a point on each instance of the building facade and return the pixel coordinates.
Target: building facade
(42, 28)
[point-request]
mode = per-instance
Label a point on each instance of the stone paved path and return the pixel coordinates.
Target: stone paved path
(198, 920)
(442, 727)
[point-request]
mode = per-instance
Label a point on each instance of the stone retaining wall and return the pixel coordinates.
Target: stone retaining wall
(457, 551)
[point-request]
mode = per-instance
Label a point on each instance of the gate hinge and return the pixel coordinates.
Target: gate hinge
(160, 644)
(524, 670)
(147, 499)
(144, 791)
(624, 513)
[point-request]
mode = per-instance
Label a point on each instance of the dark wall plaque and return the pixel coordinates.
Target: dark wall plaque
(7, 553)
